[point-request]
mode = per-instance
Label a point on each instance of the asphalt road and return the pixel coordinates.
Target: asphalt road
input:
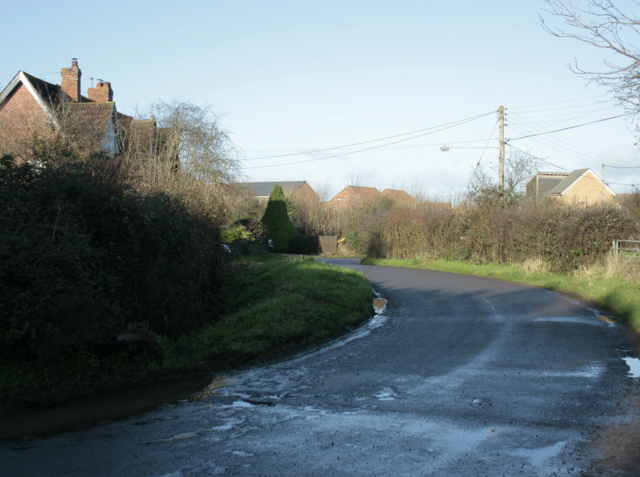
(459, 376)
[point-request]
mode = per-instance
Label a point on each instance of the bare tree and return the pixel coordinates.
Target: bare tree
(519, 167)
(321, 218)
(192, 134)
(601, 23)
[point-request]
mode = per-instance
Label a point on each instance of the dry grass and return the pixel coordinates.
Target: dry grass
(535, 266)
(610, 268)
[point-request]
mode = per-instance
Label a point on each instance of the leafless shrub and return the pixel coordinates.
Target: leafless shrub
(563, 238)
(631, 202)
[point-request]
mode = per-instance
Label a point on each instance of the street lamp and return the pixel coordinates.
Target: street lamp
(500, 148)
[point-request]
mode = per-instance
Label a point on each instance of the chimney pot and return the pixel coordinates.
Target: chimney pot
(71, 79)
(102, 93)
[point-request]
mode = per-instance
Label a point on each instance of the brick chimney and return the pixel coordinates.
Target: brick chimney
(71, 80)
(101, 93)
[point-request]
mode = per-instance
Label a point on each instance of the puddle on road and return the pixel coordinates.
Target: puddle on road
(606, 319)
(379, 304)
(387, 394)
(570, 319)
(634, 367)
(210, 390)
(85, 411)
(538, 456)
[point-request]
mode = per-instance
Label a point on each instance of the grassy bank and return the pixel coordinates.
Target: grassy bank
(271, 305)
(612, 287)
(277, 304)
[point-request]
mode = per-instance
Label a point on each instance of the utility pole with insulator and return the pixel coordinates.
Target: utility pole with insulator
(501, 151)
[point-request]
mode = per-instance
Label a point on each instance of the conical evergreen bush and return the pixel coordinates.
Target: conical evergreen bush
(280, 229)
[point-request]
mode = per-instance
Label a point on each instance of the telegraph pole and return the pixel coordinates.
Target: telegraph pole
(603, 183)
(445, 148)
(501, 151)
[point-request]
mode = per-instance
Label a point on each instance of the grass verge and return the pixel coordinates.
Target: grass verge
(614, 288)
(272, 305)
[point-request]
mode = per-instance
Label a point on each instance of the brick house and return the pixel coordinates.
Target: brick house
(399, 197)
(579, 187)
(353, 197)
(299, 190)
(32, 108)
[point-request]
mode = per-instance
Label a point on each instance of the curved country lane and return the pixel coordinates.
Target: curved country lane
(459, 376)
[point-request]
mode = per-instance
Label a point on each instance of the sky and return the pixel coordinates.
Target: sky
(344, 92)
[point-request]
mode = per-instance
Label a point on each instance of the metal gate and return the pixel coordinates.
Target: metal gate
(627, 250)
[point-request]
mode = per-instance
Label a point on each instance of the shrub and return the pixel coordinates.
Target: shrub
(277, 222)
(244, 230)
(565, 238)
(304, 245)
(631, 202)
(236, 233)
(83, 259)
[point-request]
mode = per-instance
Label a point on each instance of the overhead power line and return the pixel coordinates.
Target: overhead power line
(536, 157)
(604, 98)
(623, 167)
(570, 127)
(430, 130)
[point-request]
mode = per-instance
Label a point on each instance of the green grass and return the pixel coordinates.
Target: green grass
(272, 305)
(286, 303)
(617, 294)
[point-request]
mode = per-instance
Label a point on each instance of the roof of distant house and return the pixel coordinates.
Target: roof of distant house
(53, 101)
(359, 192)
(263, 189)
(397, 195)
(546, 181)
(557, 183)
(569, 179)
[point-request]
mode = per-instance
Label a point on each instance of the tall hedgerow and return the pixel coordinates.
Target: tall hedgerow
(276, 219)
(564, 237)
(83, 260)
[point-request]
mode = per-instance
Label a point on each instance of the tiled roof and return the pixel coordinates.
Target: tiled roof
(263, 189)
(397, 195)
(91, 120)
(97, 124)
(94, 124)
(558, 183)
(359, 192)
(51, 93)
(92, 112)
(546, 181)
(547, 184)
(562, 185)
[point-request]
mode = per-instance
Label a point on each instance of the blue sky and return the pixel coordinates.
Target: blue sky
(294, 77)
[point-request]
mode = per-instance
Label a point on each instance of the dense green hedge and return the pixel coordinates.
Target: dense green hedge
(565, 237)
(84, 259)
(304, 245)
